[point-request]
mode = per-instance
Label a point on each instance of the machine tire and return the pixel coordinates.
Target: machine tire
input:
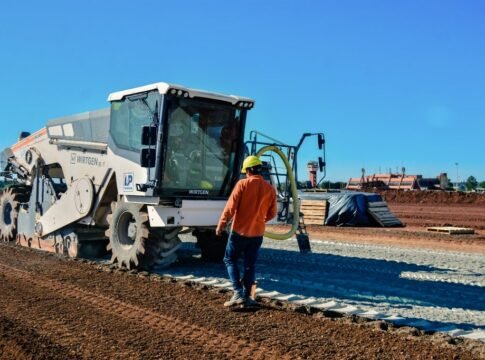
(133, 243)
(9, 206)
(212, 247)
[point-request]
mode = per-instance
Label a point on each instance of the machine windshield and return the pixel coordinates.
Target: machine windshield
(129, 115)
(202, 141)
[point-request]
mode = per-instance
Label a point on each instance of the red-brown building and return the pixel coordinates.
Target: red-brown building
(397, 182)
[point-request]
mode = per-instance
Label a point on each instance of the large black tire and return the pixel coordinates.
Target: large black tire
(212, 247)
(9, 206)
(133, 244)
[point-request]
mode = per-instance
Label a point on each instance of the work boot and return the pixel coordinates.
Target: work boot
(250, 302)
(236, 299)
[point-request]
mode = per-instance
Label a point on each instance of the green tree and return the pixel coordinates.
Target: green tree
(338, 185)
(450, 187)
(303, 185)
(481, 184)
(471, 183)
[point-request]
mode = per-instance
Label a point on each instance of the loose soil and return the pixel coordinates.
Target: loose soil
(59, 309)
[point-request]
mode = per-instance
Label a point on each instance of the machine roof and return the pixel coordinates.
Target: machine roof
(164, 88)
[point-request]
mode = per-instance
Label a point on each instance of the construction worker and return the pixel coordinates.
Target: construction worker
(252, 203)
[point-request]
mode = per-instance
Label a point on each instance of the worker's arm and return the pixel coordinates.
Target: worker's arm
(230, 208)
(272, 208)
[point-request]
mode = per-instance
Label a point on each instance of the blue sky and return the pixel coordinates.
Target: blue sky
(390, 83)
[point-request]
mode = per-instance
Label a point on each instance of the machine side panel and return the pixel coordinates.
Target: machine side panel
(192, 213)
(77, 161)
(91, 126)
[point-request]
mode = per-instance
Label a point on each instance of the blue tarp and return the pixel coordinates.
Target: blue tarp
(346, 208)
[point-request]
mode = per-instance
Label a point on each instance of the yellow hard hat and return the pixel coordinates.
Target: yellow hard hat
(204, 184)
(251, 161)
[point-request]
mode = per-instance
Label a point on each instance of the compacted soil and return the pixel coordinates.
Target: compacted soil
(423, 209)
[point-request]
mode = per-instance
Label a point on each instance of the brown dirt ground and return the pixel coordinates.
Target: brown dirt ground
(56, 308)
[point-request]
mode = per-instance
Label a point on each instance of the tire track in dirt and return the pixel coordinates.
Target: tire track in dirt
(60, 322)
(208, 339)
(93, 333)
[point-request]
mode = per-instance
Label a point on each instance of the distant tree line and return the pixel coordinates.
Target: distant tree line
(337, 185)
(472, 183)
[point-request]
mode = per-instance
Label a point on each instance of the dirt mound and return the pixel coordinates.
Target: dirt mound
(432, 197)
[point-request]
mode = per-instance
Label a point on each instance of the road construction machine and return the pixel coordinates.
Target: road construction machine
(129, 179)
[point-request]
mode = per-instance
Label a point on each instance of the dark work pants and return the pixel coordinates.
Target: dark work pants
(248, 247)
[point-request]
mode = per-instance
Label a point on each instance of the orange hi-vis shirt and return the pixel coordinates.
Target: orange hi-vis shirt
(252, 203)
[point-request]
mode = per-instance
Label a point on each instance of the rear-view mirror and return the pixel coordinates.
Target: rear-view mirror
(148, 135)
(321, 141)
(147, 158)
(321, 164)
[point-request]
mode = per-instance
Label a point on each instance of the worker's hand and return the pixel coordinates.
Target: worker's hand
(219, 231)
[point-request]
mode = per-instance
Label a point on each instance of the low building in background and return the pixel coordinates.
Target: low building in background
(401, 181)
